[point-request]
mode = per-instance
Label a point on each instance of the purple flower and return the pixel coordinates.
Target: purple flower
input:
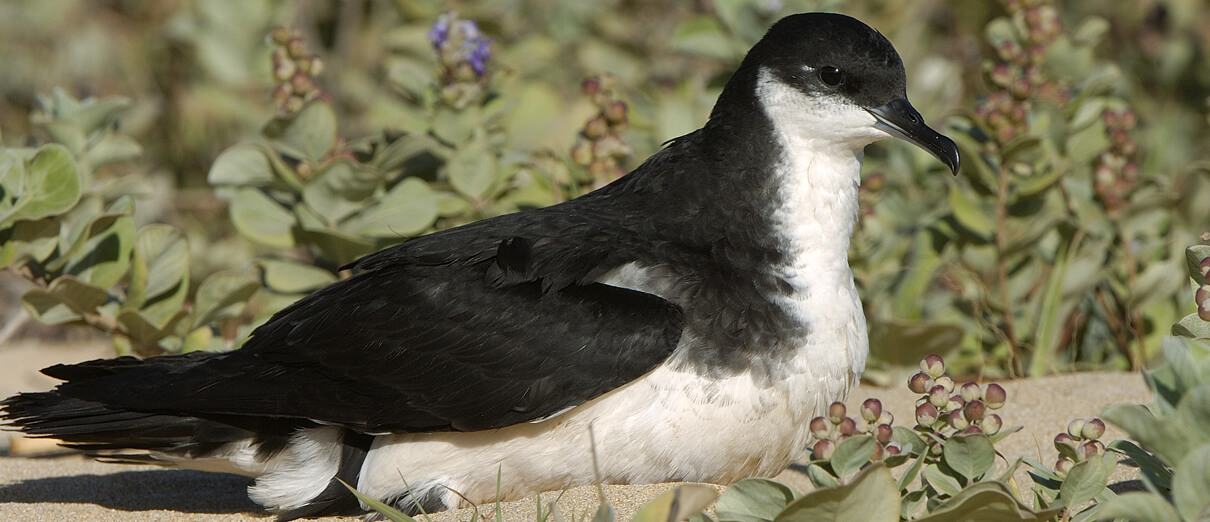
(440, 32)
(480, 55)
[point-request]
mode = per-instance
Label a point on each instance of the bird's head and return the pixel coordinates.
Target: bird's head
(831, 77)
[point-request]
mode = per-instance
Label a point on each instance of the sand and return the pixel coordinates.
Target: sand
(65, 487)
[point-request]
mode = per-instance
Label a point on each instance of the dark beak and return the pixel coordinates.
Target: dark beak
(899, 119)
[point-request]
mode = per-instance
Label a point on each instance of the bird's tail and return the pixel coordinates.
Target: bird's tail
(92, 412)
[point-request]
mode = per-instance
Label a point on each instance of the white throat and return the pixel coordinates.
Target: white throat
(819, 172)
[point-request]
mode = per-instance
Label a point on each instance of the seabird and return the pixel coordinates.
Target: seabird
(683, 323)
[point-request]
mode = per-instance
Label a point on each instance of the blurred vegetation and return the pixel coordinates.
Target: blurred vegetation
(1059, 247)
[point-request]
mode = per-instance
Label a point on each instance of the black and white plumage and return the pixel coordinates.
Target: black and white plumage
(695, 314)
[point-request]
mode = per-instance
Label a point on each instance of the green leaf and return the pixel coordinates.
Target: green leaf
(145, 333)
(308, 136)
(971, 214)
(340, 247)
(680, 503)
(32, 240)
(1191, 484)
(1138, 506)
(969, 455)
(820, 477)
(472, 171)
(110, 149)
(407, 210)
(703, 35)
(261, 219)
(941, 481)
(222, 295)
(754, 500)
(851, 454)
(51, 186)
(102, 256)
(1085, 481)
(383, 509)
(870, 497)
(159, 275)
(66, 300)
(986, 501)
(455, 127)
(1154, 471)
(1168, 440)
(1193, 258)
(1192, 326)
(344, 187)
(246, 164)
(291, 277)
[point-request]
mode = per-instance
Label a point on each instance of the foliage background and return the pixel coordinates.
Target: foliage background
(1054, 280)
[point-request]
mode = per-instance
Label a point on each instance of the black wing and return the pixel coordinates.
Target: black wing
(478, 328)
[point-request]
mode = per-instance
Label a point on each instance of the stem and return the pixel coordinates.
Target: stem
(1010, 336)
(1133, 319)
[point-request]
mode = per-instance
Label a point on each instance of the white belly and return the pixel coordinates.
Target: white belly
(670, 425)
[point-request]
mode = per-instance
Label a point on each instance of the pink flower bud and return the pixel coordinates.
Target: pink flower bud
(1075, 428)
(994, 396)
(883, 433)
(970, 392)
(1062, 440)
(926, 415)
(933, 365)
(892, 448)
(820, 428)
(992, 424)
(939, 396)
(847, 427)
(823, 450)
(974, 411)
(596, 128)
(972, 430)
(615, 112)
(1093, 429)
(1063, 465)
(945, 382)
(920, 382)
(957, 421)
(871, 409)
(836, 412)
(878, 454)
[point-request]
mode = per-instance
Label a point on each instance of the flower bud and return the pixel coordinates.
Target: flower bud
(994, 396)
(1093, 429)
(1090, 449)
(926, 414)
(878, 454)
(280, 35)
(296, 47)
(992, 424)
(883, 433)
(955, 403)
(972, 430)
(1203, 311)
(836, 412)
(886, 418)
(874, 183)
(615, 112)
(1075, 427)
(591, 85)
(871, 409)
(293, 104)
(920, 382)
(608, 82)
(596, 128)
(893, 448)
(598, 168)
(945, 382)
(939, 396)
(823, 450)
(974, 411)
(970, 392)
(581, 153)
(1062, 440)
(933, 365)
(820, 428)
(1204, 267)
(957, 421)
(1063, 465)
(847, 427)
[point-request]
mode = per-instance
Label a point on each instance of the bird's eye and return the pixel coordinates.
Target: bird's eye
(831, 76)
